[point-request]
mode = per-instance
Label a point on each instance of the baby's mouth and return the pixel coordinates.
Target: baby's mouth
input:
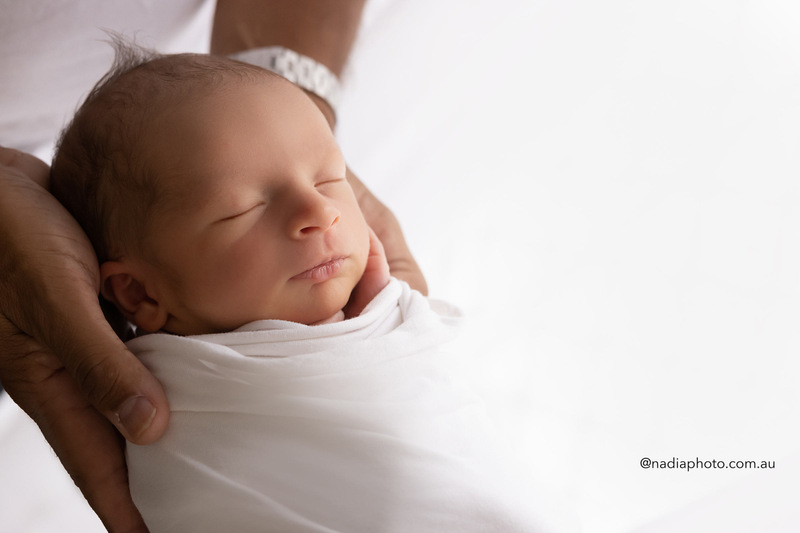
(322, 271)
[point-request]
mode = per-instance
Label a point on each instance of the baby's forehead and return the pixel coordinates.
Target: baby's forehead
(174, 96)
(151, 95)
(180, 76)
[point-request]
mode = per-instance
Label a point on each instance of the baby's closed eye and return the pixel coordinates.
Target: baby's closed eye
(242, 212)
(329, 181)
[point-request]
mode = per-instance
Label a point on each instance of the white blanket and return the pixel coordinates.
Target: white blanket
(352, 426)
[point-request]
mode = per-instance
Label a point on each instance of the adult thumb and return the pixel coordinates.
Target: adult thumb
(111, 377)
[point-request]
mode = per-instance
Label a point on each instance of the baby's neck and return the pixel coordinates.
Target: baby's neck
(337, 317)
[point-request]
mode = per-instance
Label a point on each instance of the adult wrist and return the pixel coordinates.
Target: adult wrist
(322, 85)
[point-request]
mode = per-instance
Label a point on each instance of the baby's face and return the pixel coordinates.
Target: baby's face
(260, 220)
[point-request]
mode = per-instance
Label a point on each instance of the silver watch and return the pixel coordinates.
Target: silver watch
(297, 68)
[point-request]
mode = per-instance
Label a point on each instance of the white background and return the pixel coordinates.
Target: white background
(609, 191)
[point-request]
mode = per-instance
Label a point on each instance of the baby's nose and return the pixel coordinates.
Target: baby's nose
(314, 214)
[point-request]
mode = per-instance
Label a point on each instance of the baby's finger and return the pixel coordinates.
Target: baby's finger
(377, 265)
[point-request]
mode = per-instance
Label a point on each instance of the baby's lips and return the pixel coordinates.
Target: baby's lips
(322, 271)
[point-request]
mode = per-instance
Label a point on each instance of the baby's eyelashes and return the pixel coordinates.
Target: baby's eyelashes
(242, 212)
(329, 181)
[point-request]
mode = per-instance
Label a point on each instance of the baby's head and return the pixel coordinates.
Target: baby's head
(214, 194)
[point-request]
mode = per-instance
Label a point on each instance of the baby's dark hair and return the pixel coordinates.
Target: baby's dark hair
(100, 171)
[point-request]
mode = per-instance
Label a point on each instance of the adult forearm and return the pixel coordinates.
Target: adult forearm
(321, 29)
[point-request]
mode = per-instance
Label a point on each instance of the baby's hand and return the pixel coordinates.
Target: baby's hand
(375, 278)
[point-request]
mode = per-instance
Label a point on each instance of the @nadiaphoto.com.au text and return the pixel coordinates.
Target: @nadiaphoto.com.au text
(697, 463)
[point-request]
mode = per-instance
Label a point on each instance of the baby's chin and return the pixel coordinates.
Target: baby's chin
(338, 316)
(311, 317)
(325, 306)
(321, 307)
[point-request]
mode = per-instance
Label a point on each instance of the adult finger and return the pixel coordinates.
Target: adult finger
(88, 446)
(26, 165)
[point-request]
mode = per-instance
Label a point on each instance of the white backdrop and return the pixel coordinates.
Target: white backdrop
(609, 190)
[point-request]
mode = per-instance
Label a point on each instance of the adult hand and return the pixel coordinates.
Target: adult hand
(401, 263)
(60, 360)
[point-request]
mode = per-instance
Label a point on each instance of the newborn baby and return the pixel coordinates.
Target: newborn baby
(215, 194)
(308, 388)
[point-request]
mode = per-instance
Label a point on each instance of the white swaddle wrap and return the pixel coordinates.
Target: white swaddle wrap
(351, 426)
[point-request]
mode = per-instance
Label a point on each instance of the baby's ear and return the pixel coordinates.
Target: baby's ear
(120, 285)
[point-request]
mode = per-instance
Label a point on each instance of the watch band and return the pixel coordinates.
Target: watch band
(301, 70)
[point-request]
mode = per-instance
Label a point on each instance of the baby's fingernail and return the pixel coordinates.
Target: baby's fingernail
(136, 415)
